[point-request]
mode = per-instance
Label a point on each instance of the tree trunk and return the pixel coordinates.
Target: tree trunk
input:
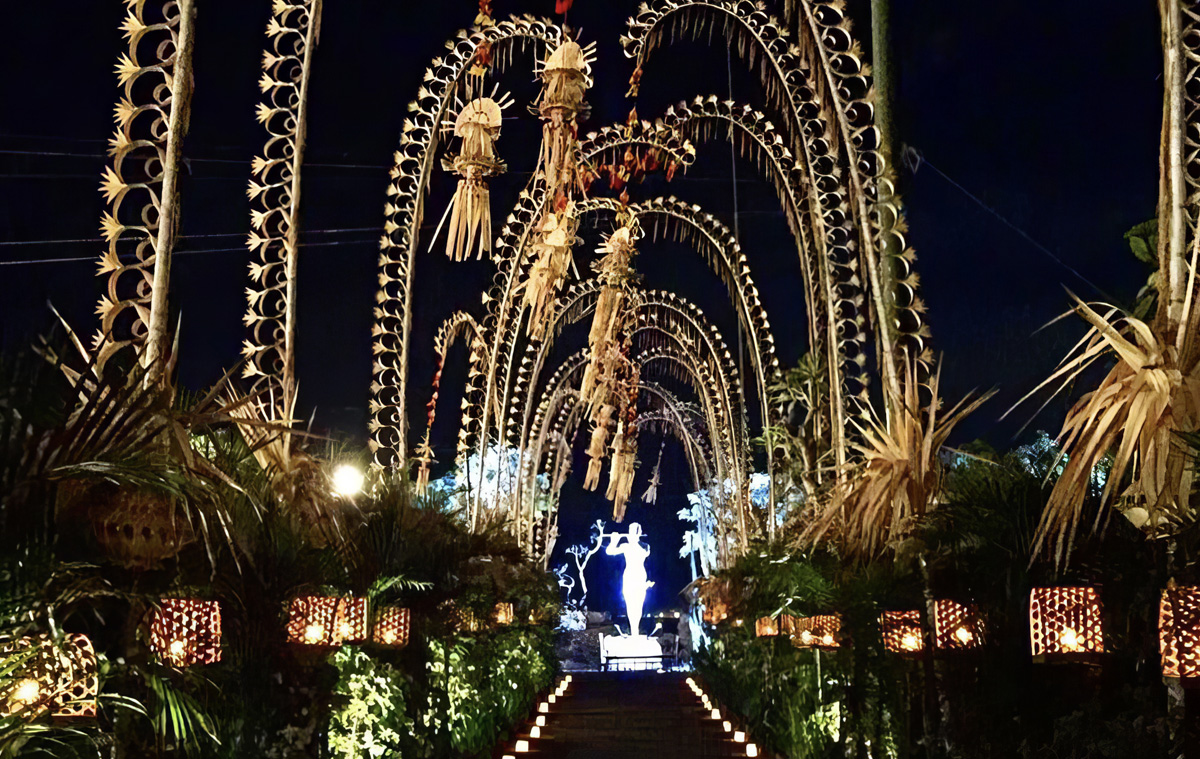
(936, 712)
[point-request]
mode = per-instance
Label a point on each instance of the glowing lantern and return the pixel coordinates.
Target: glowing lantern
(814, 632)
(327, 620)
(1179, 632)
(751, 749)
(186, 631)
(956, 626)
(901, 631)
(59, 678)
(1065, 622)
(392, 625)
(522, 747)
(766, 627)
(503, 614)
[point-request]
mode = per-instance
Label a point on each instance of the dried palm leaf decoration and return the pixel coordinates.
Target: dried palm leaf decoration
(598, 447)
(565, 79)
(651, 494)
(552, 251)
(477, 126)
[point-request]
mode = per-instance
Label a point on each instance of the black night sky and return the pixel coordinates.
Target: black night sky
(1048, 114)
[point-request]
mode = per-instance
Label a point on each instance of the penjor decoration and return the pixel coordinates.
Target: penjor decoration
(612, 312)
(565, 79)
(477, 126)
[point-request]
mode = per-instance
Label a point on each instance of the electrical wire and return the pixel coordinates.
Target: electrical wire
(14, 243)
(242, 249)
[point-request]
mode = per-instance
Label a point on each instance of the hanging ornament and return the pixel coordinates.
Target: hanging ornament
(651, 494)
(424, 460)
(552, 251)
(477, 126)
(612, 312)
(624, 464)
(565, 79)
(598, 447)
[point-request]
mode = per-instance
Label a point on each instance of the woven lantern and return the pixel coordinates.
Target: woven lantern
(185, 631)
(901, 631)
(503, 614)
(766, 627)
(392, 627)
(327, 620)
(1064, 622)
(821, 631)
(1179, 632)
(61, 679)
(956, 626)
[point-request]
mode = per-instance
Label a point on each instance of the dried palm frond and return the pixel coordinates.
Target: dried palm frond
(896, 482)
(1151, 395)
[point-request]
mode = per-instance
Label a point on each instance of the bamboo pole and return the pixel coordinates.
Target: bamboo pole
(291, 246)
(1172, 244)
(884, 83)
(158, 333)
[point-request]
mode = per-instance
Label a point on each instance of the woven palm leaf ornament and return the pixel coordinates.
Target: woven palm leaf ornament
(477, 127)
(565, 81)
(615, 272)
(651, 494)
(552, 259)
(140, 186)
(274, 191)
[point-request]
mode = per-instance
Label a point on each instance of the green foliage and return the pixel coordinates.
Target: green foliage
(477, 687)
(369, 718)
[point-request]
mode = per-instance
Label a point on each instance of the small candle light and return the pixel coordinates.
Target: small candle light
(540, 721)
(751, 749)
(1070, 640)
(27, 692)
(552, 698)
(739, 736)
(544, 708)
(727, 726)
(964, 636)
(535, 732)
(716, 714)
(522, 747)
(314, 633)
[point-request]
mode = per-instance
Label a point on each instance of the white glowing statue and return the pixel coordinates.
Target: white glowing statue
(633, 582)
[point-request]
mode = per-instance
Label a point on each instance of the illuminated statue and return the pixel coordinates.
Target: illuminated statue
(633, 582)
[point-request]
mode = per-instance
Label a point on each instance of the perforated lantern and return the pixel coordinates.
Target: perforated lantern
(821, 631)
(503, 614)
(956, 626)
(766, 627)
(1064, 623)
(392, 626)
(901, 631)
(327, 620)
(186, 631)
(61, 679)
(1179, 632)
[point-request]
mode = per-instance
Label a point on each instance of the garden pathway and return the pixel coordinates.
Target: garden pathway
(626, 715)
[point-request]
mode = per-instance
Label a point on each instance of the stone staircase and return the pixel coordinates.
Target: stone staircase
(625, 715)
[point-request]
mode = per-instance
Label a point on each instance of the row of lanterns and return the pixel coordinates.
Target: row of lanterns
(738, 737)
(62, 678)
(525, 744)
(1064, 623)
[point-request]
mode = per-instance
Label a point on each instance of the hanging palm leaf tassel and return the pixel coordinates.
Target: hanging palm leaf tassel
(565, 80)
(620, 475)
(477, 126)
(598, 447)
(424, 459)
(549, 271)
(651, 494)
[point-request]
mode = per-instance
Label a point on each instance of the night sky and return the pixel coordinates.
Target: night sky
(1048, 116)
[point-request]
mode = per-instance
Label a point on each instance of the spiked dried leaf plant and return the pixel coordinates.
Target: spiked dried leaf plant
(1147, 399)
(878, 502)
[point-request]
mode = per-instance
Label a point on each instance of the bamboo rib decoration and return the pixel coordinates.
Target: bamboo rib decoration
(274, 191)
(404, 211)
(141, 184)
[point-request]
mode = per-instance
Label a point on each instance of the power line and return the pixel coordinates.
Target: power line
(242, 249)
(915, 159)
(237, 161)
(14, 243)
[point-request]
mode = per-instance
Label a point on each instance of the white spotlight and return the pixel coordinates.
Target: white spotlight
(348, 480)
